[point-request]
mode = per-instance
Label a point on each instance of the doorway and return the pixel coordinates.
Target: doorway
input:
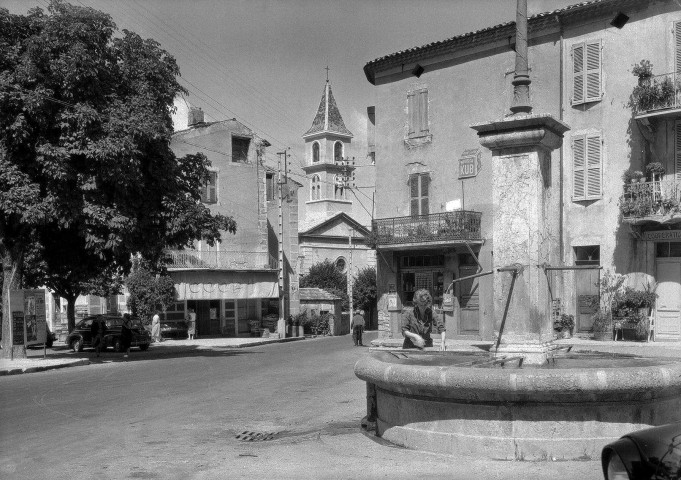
(587, 285)
(668, 305)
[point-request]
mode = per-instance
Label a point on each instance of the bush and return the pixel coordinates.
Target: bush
(565, 321)
(629, 301)
(313, 324)
(602, 322)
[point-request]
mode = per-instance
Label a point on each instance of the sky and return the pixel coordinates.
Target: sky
(263, 61)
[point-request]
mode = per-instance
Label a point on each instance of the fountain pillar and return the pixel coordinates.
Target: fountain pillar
(525, 229)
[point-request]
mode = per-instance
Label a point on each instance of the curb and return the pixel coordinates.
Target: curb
(17, 371)
(265, 342)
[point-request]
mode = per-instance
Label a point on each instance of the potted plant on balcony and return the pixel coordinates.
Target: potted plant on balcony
(650, 93)
(655, 170)
(565, 325)
(629, 177)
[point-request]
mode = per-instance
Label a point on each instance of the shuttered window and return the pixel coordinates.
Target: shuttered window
(677, 42)
(418, 187)
(209, 192)
(587, 167)
(586, 72)
(417, 106)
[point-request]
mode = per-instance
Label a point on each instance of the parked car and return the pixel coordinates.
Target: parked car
(81, 337)
(652, 453)
(174, 329)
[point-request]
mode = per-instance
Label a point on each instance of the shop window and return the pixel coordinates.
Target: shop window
(668, 249)
(209, 192)
(417, 106)
(587, 167)
(586, 72)
(418, 191)
(588, 255)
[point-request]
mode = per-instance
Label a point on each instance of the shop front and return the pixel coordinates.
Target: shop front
(667, 318)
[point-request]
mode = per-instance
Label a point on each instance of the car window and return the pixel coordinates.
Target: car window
(87, 323)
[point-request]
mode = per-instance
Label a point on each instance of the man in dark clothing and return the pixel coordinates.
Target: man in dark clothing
(98, 331)
(357, 327)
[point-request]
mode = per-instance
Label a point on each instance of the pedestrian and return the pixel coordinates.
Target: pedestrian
(156, 328)
(191, 324)
(98, 331)
(126, 335)
(357, 327)
(418, 325)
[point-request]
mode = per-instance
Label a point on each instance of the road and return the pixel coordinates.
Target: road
(178, 415)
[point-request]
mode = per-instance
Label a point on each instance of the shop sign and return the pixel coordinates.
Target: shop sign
(470, 163)
(448, 302)
(663, 236)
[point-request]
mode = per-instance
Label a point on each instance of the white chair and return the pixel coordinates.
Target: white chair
(651, 324)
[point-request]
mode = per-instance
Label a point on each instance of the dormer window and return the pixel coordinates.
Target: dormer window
(338, 152)
(315, 152)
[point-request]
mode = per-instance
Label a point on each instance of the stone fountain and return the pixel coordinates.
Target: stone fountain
(524, 399)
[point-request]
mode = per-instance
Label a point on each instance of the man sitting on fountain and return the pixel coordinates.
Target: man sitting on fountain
(417, 325)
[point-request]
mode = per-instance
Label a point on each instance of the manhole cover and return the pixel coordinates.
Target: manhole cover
(247, 436)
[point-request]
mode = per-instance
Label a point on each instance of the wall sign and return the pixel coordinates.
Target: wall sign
(663, 236)
(448, 302)
(393, 304)
(470, 163)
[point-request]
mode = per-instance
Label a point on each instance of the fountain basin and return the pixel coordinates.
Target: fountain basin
(440, 403)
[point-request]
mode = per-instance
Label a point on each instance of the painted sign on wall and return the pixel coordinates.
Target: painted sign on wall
(470, 163)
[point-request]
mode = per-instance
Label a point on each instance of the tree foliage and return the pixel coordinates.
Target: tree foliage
(325, 275)
(87, 176)
(364, 289)
(150, 293)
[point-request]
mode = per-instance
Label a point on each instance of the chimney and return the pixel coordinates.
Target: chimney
(195, 116)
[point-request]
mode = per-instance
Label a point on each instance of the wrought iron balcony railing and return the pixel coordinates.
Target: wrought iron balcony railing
(437, 227)
(656, 93)
(645, 199)
(195, 259)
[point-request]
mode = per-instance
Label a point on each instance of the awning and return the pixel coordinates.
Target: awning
(198, 285)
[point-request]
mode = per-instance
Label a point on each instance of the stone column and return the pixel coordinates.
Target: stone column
(524, 233)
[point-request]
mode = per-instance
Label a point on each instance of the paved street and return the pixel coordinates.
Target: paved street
(177, 415)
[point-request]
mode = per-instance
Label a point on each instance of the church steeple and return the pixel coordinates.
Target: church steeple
(328, 118)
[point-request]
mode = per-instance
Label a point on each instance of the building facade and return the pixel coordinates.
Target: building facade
(434, 208)
(235, 283)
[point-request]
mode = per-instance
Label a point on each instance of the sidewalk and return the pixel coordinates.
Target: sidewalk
(54, 356)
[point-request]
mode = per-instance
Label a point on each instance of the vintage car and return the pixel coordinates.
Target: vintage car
(174, 329)
(81, 337)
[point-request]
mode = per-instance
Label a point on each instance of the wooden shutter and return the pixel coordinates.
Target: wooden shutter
(425, 179)
(578, 74)
(593, 167)
(411, 112)
(677, 42)
(414, 194)
(592, 68)
(578, 168)
(677, 150)
(423, 112)
(209, 191)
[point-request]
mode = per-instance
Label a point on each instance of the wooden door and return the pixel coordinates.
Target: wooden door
(668, 307)
(469, 301)
(586, 288)
(202, 317)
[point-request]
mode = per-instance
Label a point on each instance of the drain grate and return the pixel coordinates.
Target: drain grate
(247, 436)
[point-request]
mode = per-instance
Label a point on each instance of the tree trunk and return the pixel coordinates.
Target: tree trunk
(11, 262)
(71, 311)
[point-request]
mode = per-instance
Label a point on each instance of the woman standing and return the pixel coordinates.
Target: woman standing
(418, 325)
(156, 328)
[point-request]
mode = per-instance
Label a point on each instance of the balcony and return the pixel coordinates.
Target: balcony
(198, 260)
(657, 201)
(657, 96)
(427, 230)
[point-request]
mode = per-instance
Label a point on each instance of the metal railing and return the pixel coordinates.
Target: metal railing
(643, 199)
(436, 227)
(657, 93)
(195, 259)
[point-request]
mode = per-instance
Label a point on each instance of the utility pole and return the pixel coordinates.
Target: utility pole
(281, 181)
(349, 275)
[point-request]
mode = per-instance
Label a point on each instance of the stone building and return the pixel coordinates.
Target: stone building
(235, 282)
(434, 209)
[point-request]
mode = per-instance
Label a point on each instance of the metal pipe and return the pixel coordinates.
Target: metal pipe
(469, 277)
(576, 267)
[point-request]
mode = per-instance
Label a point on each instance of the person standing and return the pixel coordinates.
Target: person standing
(126, 335)
(418, 325)
(357, 327)
(191, 323)
(156, 328)
(98, 331)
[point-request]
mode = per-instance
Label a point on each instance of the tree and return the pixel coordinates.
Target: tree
(149, 292)
(87, 176)
(364, 291)
(326, 275)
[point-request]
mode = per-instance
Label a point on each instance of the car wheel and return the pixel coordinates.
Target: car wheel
(77, 345)
(144, 347)
(117, 345)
